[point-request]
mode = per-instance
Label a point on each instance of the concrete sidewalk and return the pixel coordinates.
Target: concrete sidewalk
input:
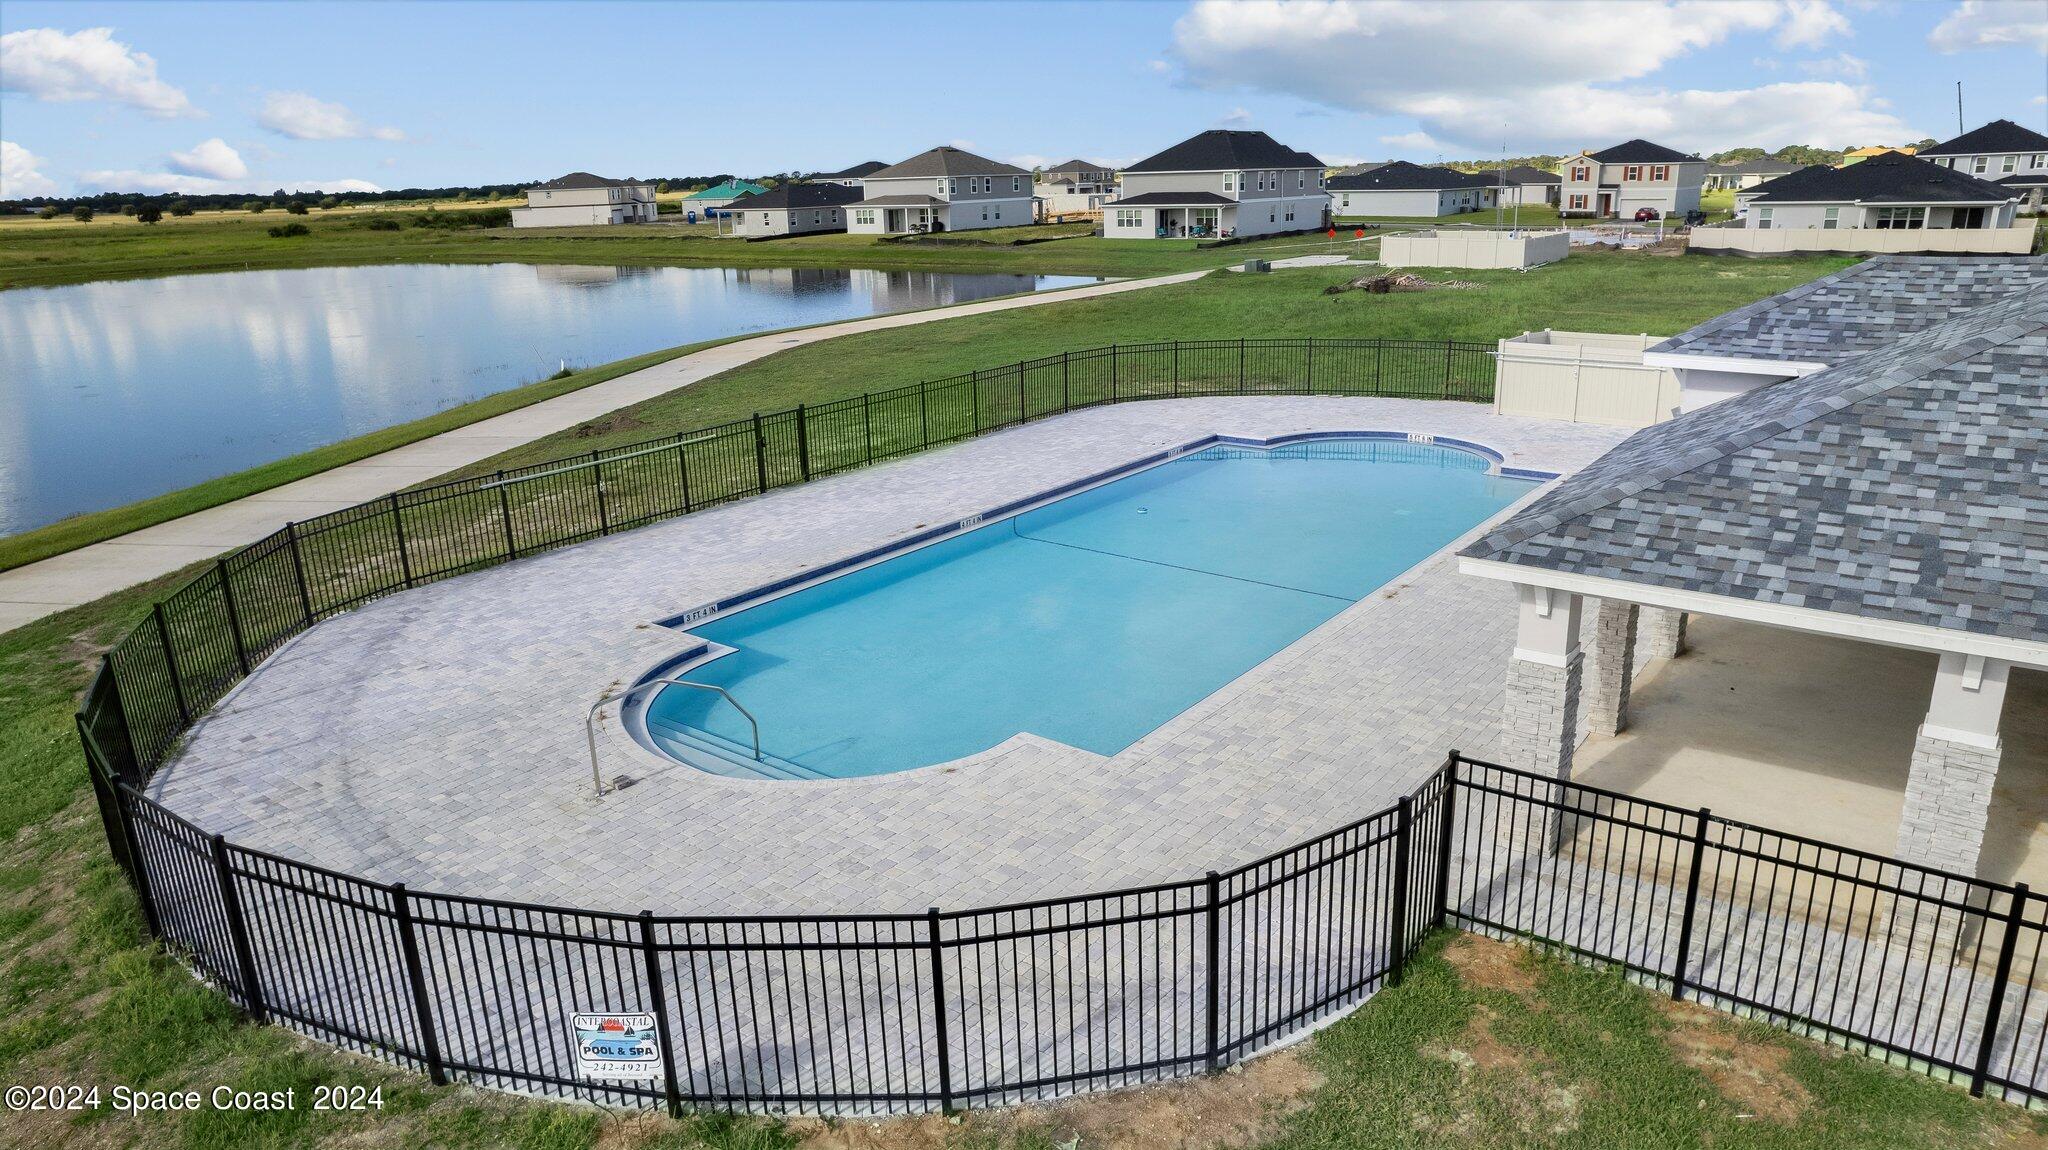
(51, 585)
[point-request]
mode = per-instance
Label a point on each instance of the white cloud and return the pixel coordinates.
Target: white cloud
(1413, 142)
(1469, 75)
(1159, 66)
(1810, 23)
(304, 117)
(19, 178)
(212, 159)
(2041, 99)
(1235, 118)
(1992, 24)
(1840, 64)
(87, 65)
(130, 180)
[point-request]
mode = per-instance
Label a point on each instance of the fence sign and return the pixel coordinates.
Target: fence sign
(616, 1046)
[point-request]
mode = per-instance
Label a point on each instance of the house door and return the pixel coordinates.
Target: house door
(1604, 205)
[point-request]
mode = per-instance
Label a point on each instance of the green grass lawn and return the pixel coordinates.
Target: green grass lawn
(36, 252)
(1595, 291)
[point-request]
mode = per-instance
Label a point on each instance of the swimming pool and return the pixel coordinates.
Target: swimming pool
(1090, 620)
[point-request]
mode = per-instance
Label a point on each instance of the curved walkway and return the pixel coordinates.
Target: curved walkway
(46, 587)
(436, 736)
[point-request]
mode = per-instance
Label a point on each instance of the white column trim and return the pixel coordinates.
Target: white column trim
(1957, 735)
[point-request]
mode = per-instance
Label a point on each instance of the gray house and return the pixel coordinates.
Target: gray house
(580, 198)
(1404, 190)
(790, 210)
(942, 190)
(1998, 149)
(1219, 183)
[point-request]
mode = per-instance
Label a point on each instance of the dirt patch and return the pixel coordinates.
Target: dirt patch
(607, 424)
(1240, 1107)
(1750, 1074)
(1395, 282)
(1491, 964)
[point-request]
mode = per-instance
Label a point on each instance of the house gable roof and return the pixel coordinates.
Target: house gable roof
(1996, 136)
(580, 180)
(1761, 167)
(1078, 166)
(1858, 309)
(1888, 179)
(853, 173)
(1221, 149)
(1903, 484)
(946, 161)
(1642, 152)
(790, 196)
(1523, 174)
(1402, 176)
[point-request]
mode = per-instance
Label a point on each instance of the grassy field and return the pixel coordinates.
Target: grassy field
(40, 253)
(1596, 291)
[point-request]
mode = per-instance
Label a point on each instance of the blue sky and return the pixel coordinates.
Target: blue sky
(253, 96)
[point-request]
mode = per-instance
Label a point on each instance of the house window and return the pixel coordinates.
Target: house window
(1290, 213)
(1578, 200)
(1631, 174)
(1579, 176)
(1300, 180)
(1980, 165)
(984, 213)
(1763, 217)
(1347, 199)
(1229, 181)
(1660, 173)
(2037, 161)
(864, 216)
(1896, 218)
(999, 211)
(1832, 220)
(817, 217)
(2008, 165)
(1016, 183)
(764, 219)
(1130, 218)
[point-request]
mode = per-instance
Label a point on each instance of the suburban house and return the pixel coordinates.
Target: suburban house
(1999, 148)
(580, 198)
(1879, 505)
(790, 210)
(1411, 190)
(1631, 176)
(1893, 203)
(1522, 184)
(1075, 186)
(1219, 183)
(1748, 174)
(850, 177)
(710, 200)
(942, 190)
(2032, 189)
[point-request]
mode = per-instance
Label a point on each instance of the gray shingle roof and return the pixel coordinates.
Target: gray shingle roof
(946, 161)
(1402, 176)
(1893, 178)
(788, 196)
(1860, 308)
(1641, 152)
(584, 180)
(1996, 136)
(1905, 484)
(1222, 149)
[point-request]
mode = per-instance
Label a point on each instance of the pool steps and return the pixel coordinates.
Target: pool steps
(708, 752)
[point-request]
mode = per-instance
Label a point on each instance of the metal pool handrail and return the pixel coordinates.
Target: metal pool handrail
(590, 719)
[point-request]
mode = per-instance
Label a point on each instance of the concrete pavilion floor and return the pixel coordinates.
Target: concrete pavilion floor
(1814, 735)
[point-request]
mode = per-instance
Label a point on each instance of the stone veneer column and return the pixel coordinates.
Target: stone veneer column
(1955, 765)
(1539, 723)
(1661, 632)
(1614, 660)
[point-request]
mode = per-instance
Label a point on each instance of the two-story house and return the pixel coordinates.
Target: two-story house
(942, 190)
(1999, 149)
(1075, 186)
(1626, 178)
(580, 198)
(1410, 191)
(790, 210)
(1219, 183)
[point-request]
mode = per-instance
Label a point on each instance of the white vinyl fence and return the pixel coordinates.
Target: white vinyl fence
(1584, 377)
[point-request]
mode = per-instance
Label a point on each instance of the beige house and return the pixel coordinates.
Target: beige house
(1075, 186)
(789, 210)
(1626, 178)
(1219, 183)
(942, 190)
(580, 199)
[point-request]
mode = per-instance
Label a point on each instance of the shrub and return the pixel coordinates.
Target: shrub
(330, 203)
(486, 218)
(292, 229)
(127, 209)
(48, 213)
(82, 213)
(253, 205)
(383, 224)
(296, 208)
(181, 207)
(149, 213)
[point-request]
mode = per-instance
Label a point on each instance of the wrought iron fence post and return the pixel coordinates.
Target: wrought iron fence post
(939, 1009)
(1379, 366)
(1397, 950)
(1020, 391)
(1692, 898)
(1176, 369)
(683, 467)
(150, 918)
(1447, 370)
(227, 598)
(760, 454)
(658, 999)
(163, 631)
(803, 443)
(291, 538)
(604, 519)
(1066, 393)
(2015, 918)
(1112, 373)
(867, 427)
(238, 932)
(505, 513)
(127, 728)
(416, 977)
(924, 413)
(1443, 846)
(1309, 369)
(1213, 993)
(398, 529)
(1240, 365)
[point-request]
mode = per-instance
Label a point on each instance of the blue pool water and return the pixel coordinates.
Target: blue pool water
(1090, 621)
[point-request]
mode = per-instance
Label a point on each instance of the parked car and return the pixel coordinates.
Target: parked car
(1645, 215)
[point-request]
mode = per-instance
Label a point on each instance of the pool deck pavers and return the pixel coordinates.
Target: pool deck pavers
(436, 736)
(33, 590)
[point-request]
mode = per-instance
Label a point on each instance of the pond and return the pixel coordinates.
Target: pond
(116, 391)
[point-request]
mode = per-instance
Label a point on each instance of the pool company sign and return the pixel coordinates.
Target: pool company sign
(616, 1045)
